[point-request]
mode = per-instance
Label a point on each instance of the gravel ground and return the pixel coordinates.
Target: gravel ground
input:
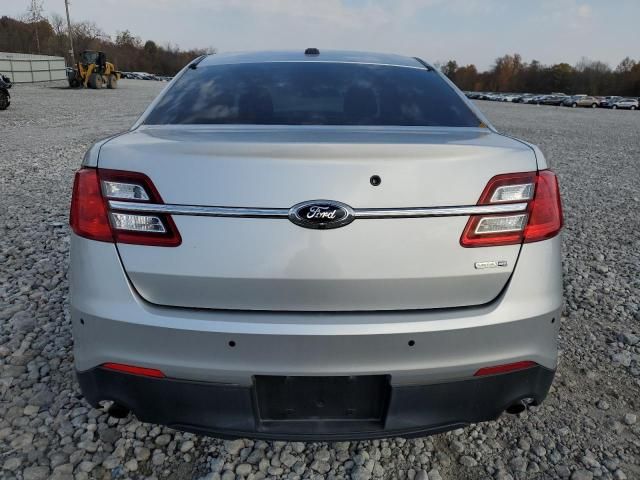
(586, 429)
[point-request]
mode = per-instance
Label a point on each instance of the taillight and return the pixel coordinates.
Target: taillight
(545, 215)
(93, 217)
(88, 217)
(541, 219)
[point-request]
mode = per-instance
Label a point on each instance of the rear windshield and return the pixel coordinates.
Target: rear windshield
(312, 93)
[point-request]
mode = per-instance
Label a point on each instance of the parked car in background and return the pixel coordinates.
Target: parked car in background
(581, 101)
(129, 75)
(626, 103)
(223, 277)
(534, 100)
(5, 96)
(510, 97)
(141, 76)
(523, 98)
(553, 99)
(569, 98)
(604, 101)
(559, 98)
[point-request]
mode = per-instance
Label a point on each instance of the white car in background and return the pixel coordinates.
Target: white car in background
(625, 103)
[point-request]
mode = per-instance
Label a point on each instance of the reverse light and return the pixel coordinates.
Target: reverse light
(501, 224)
(92, 217)
(137, 223)
(541, 220)
(133, 370)
(513, 193)
(124, 191)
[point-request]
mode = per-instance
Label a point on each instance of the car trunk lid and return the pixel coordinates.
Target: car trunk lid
(233, 262)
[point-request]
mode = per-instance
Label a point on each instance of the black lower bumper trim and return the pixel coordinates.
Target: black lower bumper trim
(229, 411)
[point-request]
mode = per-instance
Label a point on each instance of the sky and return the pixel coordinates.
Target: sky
(469, 31)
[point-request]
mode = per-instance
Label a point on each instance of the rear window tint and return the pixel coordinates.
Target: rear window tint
(312, 93)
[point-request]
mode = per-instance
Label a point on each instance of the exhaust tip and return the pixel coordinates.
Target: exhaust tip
(516, 408)
(118, 411)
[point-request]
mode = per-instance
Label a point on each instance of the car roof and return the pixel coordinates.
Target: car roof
(329, 56)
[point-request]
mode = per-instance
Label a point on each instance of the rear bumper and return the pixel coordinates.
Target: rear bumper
(228, 410)
(212, 357)
(111, 323)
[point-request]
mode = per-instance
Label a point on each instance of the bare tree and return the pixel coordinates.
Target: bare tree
(56, 43)
(449, 69)
(127, 39)
(34, 15)
(58, 24)
(87, 35)
(626, 65)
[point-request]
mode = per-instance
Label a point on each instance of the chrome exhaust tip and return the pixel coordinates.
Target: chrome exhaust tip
(516, 408)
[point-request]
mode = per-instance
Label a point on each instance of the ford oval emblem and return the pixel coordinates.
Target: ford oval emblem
(321, 214)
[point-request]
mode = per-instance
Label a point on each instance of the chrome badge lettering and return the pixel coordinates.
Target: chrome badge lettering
(490, 264)
(316, 211)
(321, 214)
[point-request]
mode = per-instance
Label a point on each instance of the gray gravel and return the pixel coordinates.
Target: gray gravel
(587, 428)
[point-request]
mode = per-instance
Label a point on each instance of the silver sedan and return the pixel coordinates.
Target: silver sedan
(315, 245)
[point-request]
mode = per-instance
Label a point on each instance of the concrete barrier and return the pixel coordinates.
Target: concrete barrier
(24, 68)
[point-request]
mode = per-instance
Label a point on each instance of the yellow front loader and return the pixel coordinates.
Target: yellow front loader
(93, 71)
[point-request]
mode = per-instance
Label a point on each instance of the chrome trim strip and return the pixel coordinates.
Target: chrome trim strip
(242, 212)
(200, 211)
(439, 211)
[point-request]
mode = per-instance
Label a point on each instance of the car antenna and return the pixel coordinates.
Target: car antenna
(423, 63)
(195, 63)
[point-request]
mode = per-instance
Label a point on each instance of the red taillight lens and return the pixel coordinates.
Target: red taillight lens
(542, 218)
(509, 367)
(545, 216)
(92, 216)
(133, 370)
(88, 217)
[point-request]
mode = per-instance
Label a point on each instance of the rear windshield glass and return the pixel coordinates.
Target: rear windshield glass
(312, 93)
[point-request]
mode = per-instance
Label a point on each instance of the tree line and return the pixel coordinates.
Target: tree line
(510, 73)
(48, 36)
